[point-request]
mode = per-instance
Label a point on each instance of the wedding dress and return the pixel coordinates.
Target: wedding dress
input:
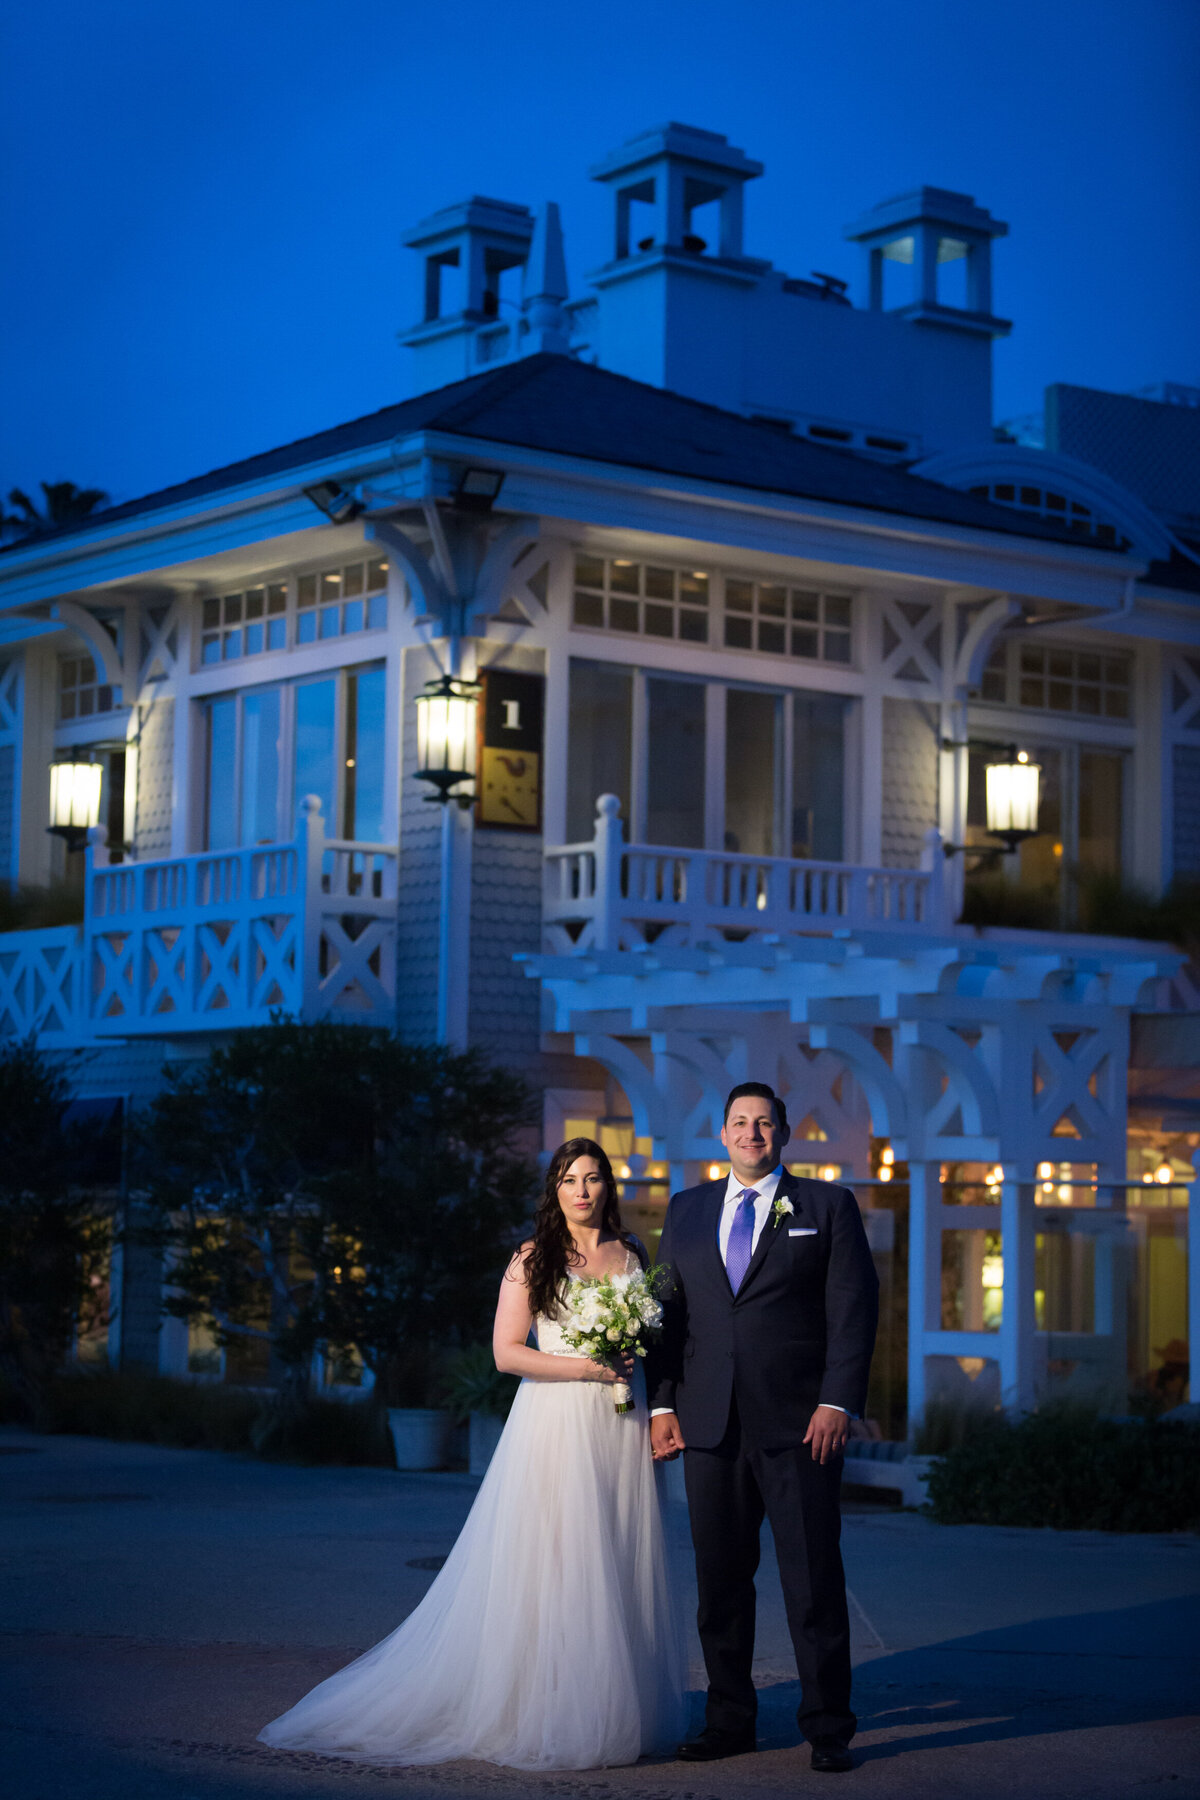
(551, 1638)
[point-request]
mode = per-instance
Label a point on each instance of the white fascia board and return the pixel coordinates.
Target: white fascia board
(550, 484)
(183, 533)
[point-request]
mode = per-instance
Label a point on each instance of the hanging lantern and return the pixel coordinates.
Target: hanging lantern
(74, 800)
(446, 713)
(1012, 797)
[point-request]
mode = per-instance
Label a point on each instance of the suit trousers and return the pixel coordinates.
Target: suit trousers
(729, 1489)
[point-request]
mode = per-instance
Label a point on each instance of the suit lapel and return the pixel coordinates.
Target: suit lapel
(788, 1189)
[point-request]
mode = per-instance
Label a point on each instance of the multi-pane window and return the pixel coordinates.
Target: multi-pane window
(270, 747)
(648, 739)
(786, 621)
(617, 593)
(1090, 683)
(81, 692)
(624, 595)
(1073, 514)
(338, 602)
(272, 615)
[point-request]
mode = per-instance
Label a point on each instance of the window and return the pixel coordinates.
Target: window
(1092, 684)
(786, 621)
(647, 600)
(601, 730)
(81, 691)
(777, 788)
(641, 597)
(1080, 818)
(1073, 514)
(675, 763)
(302, 609)
(752, 744)
(268, 748)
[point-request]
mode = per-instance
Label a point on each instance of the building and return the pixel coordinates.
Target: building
(756, 596)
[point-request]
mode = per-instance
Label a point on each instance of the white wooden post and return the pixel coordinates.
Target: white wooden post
(609, 843)
(924, 1278)
(1018, 1320)
(310, 849)
(454, 926)
(933, 859)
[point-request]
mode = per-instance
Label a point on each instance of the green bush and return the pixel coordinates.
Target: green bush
(1072, 1471)
(473, 1383)
(191, 1415)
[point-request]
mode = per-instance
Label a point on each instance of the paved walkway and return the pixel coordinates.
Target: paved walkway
(156, 1606)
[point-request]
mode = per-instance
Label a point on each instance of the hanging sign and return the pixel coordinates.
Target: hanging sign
(509, 781)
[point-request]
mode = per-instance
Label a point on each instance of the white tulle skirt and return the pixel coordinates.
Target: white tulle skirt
(551, 1638)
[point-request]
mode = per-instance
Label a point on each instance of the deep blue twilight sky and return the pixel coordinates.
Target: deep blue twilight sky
(201, 204)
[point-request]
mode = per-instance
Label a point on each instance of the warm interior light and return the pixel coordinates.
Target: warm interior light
(1012, 796)
(624, 1171)
(714, 1171)
(1164, 1174)
(887, 1155)
(75, 797)
(1045, 1171)
(830, 1172)
(886, 1172)
(992, 1272)
(446, 713)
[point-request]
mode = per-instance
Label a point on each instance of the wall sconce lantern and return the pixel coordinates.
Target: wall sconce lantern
(446, 713)
(1012, 798)
(74, 800)
(1013, 795)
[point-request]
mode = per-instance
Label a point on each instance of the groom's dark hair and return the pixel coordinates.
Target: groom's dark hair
(760, 1091)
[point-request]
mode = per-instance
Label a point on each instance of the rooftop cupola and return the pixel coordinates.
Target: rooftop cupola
(481, 238)
(661, 179)
(926, 229)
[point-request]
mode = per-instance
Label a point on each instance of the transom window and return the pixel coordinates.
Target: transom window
(1052, 678)
(276, 615)
(642, 597)
(81, 692)
(649, 600)
(1029, 497)
(787, 621)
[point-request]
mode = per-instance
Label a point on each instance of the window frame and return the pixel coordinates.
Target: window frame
(207, 631)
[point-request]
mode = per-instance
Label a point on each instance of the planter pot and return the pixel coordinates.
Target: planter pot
(420, 1436)
(485, 1429)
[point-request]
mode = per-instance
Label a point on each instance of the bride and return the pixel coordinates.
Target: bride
(551, 1638)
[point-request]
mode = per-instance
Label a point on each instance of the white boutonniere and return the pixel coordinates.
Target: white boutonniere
(782, 1209)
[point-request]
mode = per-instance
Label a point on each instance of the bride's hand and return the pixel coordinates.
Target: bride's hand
(620, 1369)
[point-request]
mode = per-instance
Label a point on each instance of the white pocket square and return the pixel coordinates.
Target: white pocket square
(803, 1231)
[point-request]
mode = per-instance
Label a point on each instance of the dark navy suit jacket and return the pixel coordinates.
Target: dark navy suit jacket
(800, 1329)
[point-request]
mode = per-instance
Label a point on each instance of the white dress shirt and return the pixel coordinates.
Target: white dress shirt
(765, 1190)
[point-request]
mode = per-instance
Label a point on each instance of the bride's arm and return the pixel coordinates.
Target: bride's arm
(513, 1320)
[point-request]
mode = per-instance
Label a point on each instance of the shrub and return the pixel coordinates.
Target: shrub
(191, 1415)
(473, 1383)
(1066, 1469)
(949, 1421)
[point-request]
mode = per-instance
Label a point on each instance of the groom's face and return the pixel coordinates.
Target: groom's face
(753, 1137)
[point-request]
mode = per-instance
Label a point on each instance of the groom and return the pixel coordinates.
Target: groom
(770, 1324)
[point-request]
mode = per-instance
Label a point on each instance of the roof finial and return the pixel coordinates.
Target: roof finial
(549, 327)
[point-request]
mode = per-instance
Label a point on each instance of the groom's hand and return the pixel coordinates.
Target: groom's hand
(666, 1439)
(827, 1432)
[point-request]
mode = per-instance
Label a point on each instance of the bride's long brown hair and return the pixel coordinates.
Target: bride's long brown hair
(554, 1252)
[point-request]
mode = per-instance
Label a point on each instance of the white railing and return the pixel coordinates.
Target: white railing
(609, 895)
(213, 942)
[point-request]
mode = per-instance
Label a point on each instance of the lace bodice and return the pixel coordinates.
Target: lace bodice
(550, 1332)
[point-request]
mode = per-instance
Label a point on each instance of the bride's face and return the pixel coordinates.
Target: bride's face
(582, 1191)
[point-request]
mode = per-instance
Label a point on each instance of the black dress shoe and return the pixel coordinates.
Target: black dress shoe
(712, 1745)
(830, 1756)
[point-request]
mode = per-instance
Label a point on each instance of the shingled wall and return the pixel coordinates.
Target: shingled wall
(910, 778)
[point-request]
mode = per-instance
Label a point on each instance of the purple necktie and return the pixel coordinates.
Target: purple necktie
(740, 1247)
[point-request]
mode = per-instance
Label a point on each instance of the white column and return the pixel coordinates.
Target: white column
(1018, 1321)
(924, 1277)
(454, 926)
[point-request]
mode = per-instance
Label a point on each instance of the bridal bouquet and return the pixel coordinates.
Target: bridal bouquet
(610, 1314)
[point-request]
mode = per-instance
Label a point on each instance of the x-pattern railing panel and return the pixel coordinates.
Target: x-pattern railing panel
(39, 984)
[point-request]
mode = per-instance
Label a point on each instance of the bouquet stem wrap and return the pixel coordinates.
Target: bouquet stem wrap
(613, 1315)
